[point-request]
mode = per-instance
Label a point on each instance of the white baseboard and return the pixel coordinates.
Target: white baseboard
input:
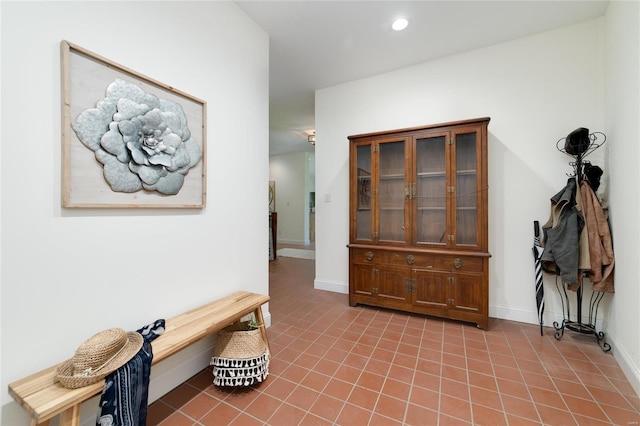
(295, 242)
(625, 361)
(336, 287)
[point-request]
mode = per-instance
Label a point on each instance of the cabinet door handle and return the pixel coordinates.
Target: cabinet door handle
(411, 259)
(457, 263)
(369, 256)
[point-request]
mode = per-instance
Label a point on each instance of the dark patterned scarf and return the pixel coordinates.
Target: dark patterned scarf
(124, 398)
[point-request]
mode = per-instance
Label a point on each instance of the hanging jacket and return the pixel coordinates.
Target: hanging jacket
(600, 243)
(562, 234)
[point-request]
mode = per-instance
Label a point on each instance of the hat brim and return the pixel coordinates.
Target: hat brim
(70, 379)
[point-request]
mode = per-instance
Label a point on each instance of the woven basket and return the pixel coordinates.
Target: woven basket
(240, 372)
(237, 341)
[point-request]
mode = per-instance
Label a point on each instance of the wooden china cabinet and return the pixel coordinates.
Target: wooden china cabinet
(418, 220)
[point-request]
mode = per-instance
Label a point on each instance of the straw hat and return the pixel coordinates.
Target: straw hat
(101, 354)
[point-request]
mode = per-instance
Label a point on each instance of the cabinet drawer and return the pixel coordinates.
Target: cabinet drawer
(433, 261)
(419, 260)
(369, 256)
(458, 263)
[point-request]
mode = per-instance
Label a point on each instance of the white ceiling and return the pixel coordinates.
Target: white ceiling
(317, 44)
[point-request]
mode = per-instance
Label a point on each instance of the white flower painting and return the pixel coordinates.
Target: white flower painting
(141, 141)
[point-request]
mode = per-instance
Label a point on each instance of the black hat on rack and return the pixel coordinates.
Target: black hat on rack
(593, 174)
(577, 141)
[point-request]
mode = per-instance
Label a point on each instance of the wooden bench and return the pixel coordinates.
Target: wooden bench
(43, 398)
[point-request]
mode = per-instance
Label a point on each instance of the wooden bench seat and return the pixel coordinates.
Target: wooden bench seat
(43, 398)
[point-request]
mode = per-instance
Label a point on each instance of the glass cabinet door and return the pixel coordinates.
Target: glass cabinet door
(431, 190)
(392, 191)
(364, 217)
(466, 189)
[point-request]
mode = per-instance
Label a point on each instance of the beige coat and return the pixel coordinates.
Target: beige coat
(600, 243)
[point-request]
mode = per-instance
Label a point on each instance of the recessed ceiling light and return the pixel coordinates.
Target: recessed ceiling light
(400, 24)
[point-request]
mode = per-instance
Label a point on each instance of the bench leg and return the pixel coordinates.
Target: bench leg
(71, 416)
(263, 327)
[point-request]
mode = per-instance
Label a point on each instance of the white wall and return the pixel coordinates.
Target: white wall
(536, 90)
(67, 274)
(294, 177)
(622, 109)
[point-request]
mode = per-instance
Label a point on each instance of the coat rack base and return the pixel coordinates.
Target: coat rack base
(578, 326)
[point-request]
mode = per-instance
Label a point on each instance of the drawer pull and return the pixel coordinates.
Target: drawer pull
(457, 263)
(369, 256)
(411, 259)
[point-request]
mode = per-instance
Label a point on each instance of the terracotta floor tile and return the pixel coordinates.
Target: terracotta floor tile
(327, 407)
(487, 416)
(483, 381)
(447, 420)
(279, 388)
(420, 416)
(294, 373)
(516, 389)
(454, 388)
(306, 360)
(588, 408)
(263, 407)
(486, 398)
(364, 398)
(621, 416)
(480, 367)
(455, 373)
(395, 388)
(554, 417)
(302, 397)
(338, 389)
(538, 380)
(178, 419)
(371, 381)
(158, 412)
(454, 360)
(243, 420)
(352, 415)
(222, 415)
(547, 397)
(571, 388)
(425, 398)
(180, 395)
(520, 407)
(457, 408)
(313, 420)
(428, 381)
(379, 420)
(315, 381)
(348, 374)
(199, 406)
(390, 407)
(287, 414)
(376, 366)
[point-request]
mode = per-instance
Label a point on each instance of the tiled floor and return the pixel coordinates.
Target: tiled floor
(339, 365)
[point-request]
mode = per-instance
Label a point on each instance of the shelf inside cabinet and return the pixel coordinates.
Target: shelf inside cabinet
(466, 172)
(431, 174)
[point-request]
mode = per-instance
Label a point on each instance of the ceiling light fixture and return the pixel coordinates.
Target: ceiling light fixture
(400, 24)
(312, 139)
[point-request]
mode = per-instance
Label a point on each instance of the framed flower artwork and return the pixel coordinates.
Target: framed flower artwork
(128, 141)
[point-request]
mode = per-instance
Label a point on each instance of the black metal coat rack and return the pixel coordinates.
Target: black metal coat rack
(596, 297)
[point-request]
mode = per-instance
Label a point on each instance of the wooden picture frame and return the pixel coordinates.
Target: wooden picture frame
(166, 171)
